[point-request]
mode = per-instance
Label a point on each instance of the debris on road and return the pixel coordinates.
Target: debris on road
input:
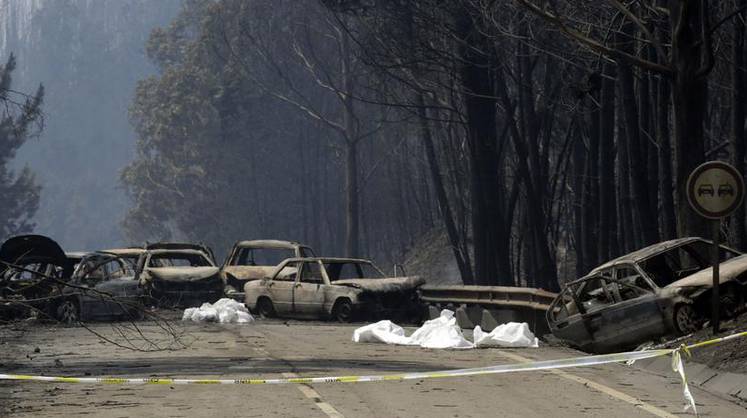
(443, 332)
(224, 311)
(512, 335)
(384, 331)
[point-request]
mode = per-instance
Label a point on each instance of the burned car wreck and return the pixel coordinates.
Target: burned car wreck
(659, 291)
(341, 289)
(257, 259)
(33, 271)
(102, 288)
(179, 274)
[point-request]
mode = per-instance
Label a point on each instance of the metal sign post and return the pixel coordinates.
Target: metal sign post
(715, 263)
(715, 189)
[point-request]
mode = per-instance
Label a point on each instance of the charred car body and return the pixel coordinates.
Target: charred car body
(32, 274)
(339, 288)
(257, 259)
(179, 275)
(102, 288)
(661, 290)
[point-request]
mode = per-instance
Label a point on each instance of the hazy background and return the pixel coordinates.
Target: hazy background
(89, 54)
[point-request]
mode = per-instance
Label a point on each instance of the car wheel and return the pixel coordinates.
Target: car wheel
(685, 319)
(265, 309)
(343, 311)
(68, 313)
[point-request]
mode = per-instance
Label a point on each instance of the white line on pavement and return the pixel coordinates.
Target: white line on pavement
(310, 393)
(599, 387)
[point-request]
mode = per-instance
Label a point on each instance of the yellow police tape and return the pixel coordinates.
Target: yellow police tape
(630, 357)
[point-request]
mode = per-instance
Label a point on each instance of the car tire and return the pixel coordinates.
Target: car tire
(68, 313)
(685, 319)
(265, 308)
(343, 310)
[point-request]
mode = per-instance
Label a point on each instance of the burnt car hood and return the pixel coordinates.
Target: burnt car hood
(393, 284)
(728, 270)
(27, 249)
(183, 274)
(249, 272)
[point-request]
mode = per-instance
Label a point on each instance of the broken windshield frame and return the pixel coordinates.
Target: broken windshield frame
(343, 270)
(178, 259)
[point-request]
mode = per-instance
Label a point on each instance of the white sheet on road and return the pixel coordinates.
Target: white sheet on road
(381, 332)
(512, 334)
(225, 311)
(443, 332)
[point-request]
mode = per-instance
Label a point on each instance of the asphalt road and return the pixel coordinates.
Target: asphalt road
(277, 349)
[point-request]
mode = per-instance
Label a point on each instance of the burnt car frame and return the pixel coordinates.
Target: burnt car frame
(32, 274)
(341, 289)
(659, 291)
(257, 259)
(102, 288)
(179, 274)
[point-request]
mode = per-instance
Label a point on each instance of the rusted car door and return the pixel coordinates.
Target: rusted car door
(309, 291)
(618, 311)
(597, 298)
(637, 314)
(565, 319)
(114, 289)
(281, 287)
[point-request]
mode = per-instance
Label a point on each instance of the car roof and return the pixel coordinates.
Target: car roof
(125, 251)
(646, 252)
(175, 246)
(26, 249)
(269, 243)
(76, 254)
(330, 259)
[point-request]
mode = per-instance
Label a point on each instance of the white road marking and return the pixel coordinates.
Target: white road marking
(307, 390)
(599, 387)
(310, 393)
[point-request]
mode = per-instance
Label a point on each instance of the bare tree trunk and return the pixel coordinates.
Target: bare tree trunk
(666, 192)
(351, 201)
(691, 63)
(645, 229)
(607, 208)
(579, 231)
(352, 216)
(647, 146)
(462, 258)
(625, 226)
(543, 271)
(739, 231)
(590, 203)
(491, 243)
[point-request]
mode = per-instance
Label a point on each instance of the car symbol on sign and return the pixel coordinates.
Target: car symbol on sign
(704, 189)
(724, 189)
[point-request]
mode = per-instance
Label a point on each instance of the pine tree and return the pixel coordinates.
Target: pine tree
(20, 119)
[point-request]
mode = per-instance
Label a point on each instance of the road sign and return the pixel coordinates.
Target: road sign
(715, 189)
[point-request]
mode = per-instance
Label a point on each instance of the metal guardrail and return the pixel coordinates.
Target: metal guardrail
(489, 296)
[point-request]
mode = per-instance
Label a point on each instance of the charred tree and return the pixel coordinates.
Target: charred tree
(477, 71)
